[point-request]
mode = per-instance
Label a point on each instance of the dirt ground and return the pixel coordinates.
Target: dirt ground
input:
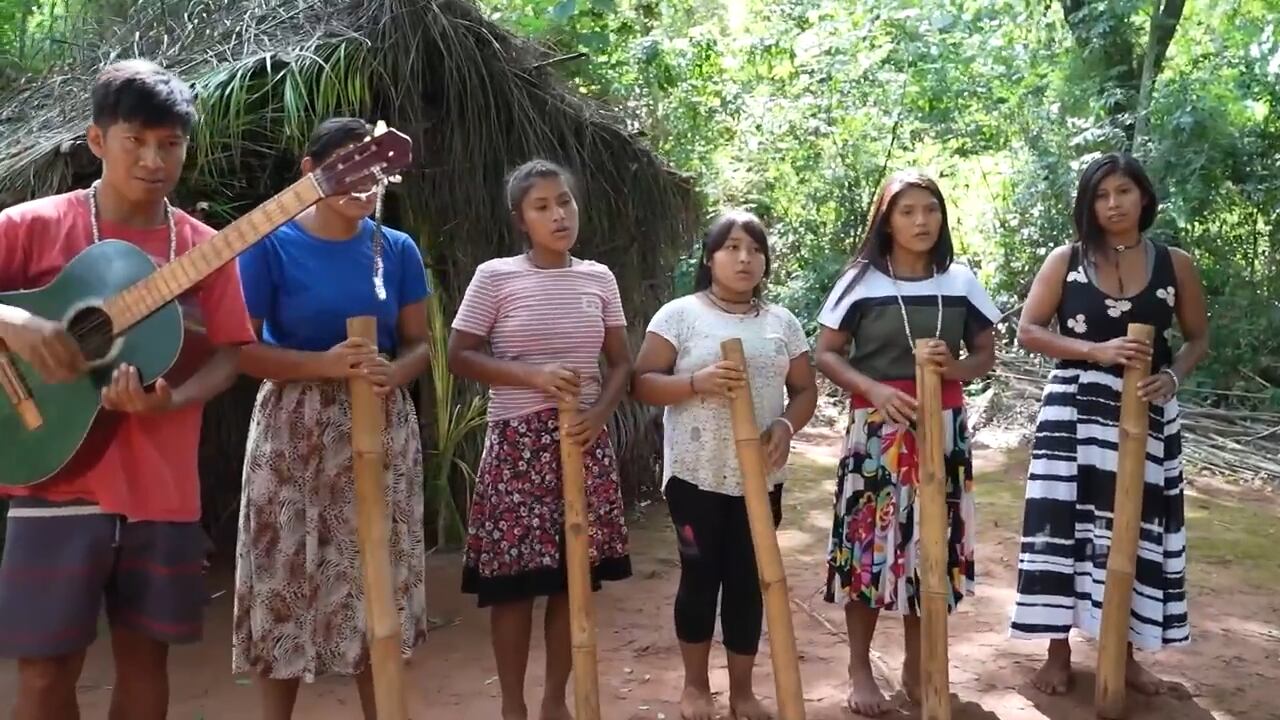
(1229, 669)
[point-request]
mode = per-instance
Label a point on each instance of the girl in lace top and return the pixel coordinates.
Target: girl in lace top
(679, 366)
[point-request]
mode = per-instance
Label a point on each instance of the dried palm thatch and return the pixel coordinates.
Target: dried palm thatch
(475, 99)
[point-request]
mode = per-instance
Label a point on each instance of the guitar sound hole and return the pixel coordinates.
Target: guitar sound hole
(91, 328)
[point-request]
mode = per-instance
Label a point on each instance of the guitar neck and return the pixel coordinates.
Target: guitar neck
(166, 284)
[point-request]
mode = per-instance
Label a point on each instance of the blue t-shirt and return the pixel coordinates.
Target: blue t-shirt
(304, 288)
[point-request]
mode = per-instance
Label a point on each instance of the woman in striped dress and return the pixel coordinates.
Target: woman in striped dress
(1109, 277)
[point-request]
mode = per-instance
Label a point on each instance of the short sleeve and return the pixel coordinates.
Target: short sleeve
(223, 307)
(259, 279)
(13, 254)
(840, 311)
(613, 313)
(793, 335)
(981, 312)
(670, 323)
(478, 310)
(413, 274)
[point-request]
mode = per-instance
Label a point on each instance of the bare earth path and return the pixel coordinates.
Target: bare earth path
(1232, 668)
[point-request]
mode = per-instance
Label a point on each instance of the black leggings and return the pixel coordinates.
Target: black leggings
(716, 552)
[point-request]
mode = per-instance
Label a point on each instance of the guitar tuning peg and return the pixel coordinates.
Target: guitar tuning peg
(393, 179)
(380, 128)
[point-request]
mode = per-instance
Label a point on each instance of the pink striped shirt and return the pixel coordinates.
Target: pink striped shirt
(538, 316)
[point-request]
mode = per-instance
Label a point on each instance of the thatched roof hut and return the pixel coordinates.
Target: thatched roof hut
(475, 99)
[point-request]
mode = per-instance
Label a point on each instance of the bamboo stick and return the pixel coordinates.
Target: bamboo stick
(17, 391)
(932, 505)
(372, 533)
(1113, 638)
(773, 579)
(577, 549)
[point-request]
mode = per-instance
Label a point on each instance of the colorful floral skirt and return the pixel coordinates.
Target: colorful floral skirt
(299, 588)
(515, 536)
(873, 554)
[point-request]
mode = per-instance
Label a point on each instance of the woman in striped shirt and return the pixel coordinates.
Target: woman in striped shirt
(546, 316)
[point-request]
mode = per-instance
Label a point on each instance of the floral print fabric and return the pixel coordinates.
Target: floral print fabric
(873, 554)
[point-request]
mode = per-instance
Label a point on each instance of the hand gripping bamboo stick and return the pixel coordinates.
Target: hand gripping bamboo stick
(1117, 600)
(373, 533)
(577, 541)
(773, 579)
(932, 505)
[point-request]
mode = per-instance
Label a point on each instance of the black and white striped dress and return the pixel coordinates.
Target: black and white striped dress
(1071, 487)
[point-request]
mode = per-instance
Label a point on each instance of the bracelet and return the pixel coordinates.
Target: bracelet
(787, 422)
(1177, 384)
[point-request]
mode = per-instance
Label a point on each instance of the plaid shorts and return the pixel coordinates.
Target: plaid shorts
(62, 560)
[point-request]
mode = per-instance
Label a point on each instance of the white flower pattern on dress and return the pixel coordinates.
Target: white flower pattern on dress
(1116, 308)
(1168, 294)
(1077, 275)
(1077, 324)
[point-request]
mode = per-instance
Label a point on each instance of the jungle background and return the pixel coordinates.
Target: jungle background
(796, 109)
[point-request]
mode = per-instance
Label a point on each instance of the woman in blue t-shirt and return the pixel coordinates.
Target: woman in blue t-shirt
(299, 589)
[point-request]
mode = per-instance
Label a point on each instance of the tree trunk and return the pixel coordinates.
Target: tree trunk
(1104, 39)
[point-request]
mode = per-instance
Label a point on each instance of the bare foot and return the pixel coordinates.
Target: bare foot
(697, 704)
(515, 712)
(748, 708)
(1054, 677)
(865, 697)
(1143, 680)
(555, 710)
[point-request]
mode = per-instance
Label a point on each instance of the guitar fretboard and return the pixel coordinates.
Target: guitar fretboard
(135, 303)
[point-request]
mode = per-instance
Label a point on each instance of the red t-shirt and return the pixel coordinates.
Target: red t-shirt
(143, 467)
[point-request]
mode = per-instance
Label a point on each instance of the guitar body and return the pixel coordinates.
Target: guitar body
(152, 345)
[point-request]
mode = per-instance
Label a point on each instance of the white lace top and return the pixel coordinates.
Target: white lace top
(697, 441)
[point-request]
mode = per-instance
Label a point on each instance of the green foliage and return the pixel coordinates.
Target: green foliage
(458, 419)
(797, 109)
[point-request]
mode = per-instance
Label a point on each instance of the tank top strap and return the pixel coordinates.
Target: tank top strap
(1162, 270)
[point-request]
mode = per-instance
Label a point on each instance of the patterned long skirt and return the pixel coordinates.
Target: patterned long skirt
(515, 535)
(1066, 529)
(873, 553)
(299, 589)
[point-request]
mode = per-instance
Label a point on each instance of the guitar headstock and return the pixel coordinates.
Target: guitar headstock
(363, 166)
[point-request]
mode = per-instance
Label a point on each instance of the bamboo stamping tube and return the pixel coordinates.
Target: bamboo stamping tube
(16, 390)
(773, 579)
(932, 505)
(1117, 600)
(372, 534)
(577, 540)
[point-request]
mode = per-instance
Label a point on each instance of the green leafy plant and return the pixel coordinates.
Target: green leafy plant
(449, 477)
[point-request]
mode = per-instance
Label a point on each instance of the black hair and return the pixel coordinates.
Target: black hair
(521, 180)
(1088, 230)
(877, 242)
(716, 237)
(333, 134)
(139, 91)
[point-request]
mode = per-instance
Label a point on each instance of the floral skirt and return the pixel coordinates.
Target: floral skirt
(299, 587)
(515, 536)
(873, 554)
